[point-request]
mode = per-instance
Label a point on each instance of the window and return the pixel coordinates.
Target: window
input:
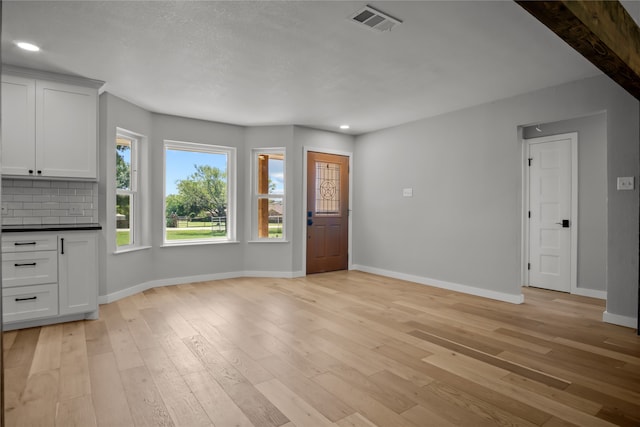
(269, 193)
(199, 196)
(126, 173)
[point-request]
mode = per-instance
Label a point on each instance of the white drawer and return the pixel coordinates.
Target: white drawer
(25, 242)
(29, 302)
(29, 268)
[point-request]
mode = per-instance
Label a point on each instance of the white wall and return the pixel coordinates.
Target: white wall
(592, 193)
(463, 225)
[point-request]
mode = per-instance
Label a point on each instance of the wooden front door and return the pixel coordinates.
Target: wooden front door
(327, 212)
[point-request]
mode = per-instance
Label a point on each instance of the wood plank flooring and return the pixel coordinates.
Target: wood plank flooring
(336, 349)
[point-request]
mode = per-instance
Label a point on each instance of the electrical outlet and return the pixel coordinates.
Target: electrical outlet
(625, 183)
(75, 210)
(407, 192)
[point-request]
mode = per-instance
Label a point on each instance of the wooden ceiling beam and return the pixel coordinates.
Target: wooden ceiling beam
(602, 31)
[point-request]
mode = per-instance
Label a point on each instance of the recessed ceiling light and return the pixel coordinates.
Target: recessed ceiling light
(345, 127)
(28, 46)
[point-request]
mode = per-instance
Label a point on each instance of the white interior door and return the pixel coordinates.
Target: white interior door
(552, 213)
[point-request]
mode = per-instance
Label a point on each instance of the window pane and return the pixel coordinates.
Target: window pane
(270, 218)
(271, 173)
(327, 188)
(123, 164)
(124, 236)
(195, 195)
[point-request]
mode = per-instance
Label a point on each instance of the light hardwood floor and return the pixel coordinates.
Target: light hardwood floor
(337, 349)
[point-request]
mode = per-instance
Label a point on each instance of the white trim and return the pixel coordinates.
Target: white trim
(232, 194)
(115, 296)
(592, 293)
(255, 152)
(616, 319)
(132, 249)
(573, 137)
(457, 287)
(305, 151)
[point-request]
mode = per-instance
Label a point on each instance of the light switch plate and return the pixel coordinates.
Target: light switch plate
(407, 192)
(626, 183)
(75, 210)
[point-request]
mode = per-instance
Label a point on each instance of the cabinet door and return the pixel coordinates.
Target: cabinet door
(18, 126)
(77, 273)
(66, 130)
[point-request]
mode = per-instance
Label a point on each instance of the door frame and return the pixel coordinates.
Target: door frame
(526, 144)
(303, 214)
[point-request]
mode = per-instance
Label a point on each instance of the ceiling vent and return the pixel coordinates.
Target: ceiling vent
(374, 19)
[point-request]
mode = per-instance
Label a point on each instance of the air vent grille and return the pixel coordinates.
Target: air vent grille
(374, 19)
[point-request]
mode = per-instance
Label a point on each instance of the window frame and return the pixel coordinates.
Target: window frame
(256, 196)
(135, 209)
(231, 153)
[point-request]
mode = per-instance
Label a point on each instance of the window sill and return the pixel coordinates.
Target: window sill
(196, 243)
(134, 249)
(268, 241)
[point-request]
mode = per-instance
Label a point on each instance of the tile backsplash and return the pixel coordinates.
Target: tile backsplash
(39, 201)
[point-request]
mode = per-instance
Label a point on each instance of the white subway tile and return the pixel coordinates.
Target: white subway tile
(32, 221)
(42, 212)
(51, 220)
(22, 212)
(76, 199)
(59, 212)
(31, 205)
(11, 221)
(23, 198)
(68, 220)
(22, 183)
(60, 184)
(42, 183)
(42, 198)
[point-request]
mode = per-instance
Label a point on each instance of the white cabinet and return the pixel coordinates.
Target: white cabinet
(49, 128)
(78, 273)
(49, 275)
(18, 125)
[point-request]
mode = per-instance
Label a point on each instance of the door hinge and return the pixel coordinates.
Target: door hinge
(528, 266)
(530, 159)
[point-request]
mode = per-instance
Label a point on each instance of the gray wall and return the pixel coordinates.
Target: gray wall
(592, 193)
(118, 272)
(156, 264)
(463, 224)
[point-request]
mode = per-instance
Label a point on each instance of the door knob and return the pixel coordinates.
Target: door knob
(564, 223)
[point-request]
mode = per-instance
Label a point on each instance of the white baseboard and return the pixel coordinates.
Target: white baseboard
(616, 319)
(115, 296)
(466, 289)
(592, 293)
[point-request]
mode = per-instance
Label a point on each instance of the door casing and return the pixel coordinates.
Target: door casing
(303, 212)
(526, 143)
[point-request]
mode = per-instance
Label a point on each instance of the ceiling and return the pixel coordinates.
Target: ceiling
(294, 62)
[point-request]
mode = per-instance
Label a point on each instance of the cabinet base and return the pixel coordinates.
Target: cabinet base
(92, 315)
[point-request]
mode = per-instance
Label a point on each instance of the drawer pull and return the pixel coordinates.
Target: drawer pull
(25, 264)
(26, 299)
(24, 243)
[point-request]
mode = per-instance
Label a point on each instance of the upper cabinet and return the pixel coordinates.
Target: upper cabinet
(49, 128)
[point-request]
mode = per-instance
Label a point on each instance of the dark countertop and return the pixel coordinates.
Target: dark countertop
(49, 227)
